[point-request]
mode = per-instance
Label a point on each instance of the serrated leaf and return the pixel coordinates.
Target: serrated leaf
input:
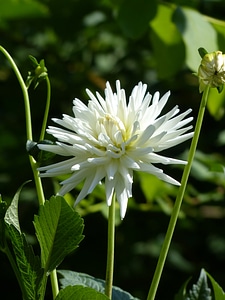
(200, 290)
(11, 215)
(196, 31)
(59, 231)
(134, 16)
(80, 293)
(75, 278)
(218, 291)
(28, 264)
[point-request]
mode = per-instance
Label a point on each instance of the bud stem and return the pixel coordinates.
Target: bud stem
(178, 202)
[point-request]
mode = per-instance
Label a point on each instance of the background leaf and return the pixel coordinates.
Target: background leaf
(167, 44)
(196, 31)
(59, 231)
(11, 9)
(80, 293)
(75, 278)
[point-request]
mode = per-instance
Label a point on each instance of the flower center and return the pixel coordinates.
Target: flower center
(112, 135)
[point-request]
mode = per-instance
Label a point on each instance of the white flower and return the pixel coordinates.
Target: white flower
(110, 138)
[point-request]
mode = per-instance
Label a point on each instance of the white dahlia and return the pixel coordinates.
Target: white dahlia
(109, 139)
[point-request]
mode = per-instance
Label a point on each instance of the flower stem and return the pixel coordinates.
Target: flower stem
(33, 163)
(45, 119)
(24, 91)
(178, 202)
(110, 250)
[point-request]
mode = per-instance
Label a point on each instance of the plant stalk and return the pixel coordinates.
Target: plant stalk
(110, 250)
(178, 202)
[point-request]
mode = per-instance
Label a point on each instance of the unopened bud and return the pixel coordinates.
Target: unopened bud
(211, 71)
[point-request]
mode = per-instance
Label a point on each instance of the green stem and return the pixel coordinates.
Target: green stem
(33, 163)
(54, 282)
(24, 91)
(178, 202)
(45, 119)
(110, 250)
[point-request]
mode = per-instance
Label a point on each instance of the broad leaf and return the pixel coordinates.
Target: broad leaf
(167, 44)
(80, 293)
(59, 231)
(134, 16)
(218, 292)
(28, 264)
(197, 33)
(75, 278)
(215, 103)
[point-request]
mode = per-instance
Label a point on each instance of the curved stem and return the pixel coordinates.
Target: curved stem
(33, 163)
(24, 91)
(110, 250)
(178, 202)
(45, 119)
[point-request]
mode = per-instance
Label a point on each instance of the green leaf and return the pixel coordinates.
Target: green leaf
(200, 290)
(75, 279)
(196, 32)
(167, 44)
(202, 52)
(218, 292)
(80, 293)
(59, 231)
(11, 215)
(215, 103)
(29, 265)
(134, 16)
(11, 9)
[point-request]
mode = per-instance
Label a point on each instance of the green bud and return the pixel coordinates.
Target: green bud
(38, 73)
(211, 71)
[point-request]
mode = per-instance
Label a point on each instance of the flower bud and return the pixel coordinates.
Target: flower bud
(211, 71)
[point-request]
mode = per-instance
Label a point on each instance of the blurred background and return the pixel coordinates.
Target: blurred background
(84, 44)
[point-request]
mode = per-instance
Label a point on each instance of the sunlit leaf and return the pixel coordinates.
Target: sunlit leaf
(76, 279)
(216, 103)
(80, 293)
(167, 44)
(59, 231)
(196, 33)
